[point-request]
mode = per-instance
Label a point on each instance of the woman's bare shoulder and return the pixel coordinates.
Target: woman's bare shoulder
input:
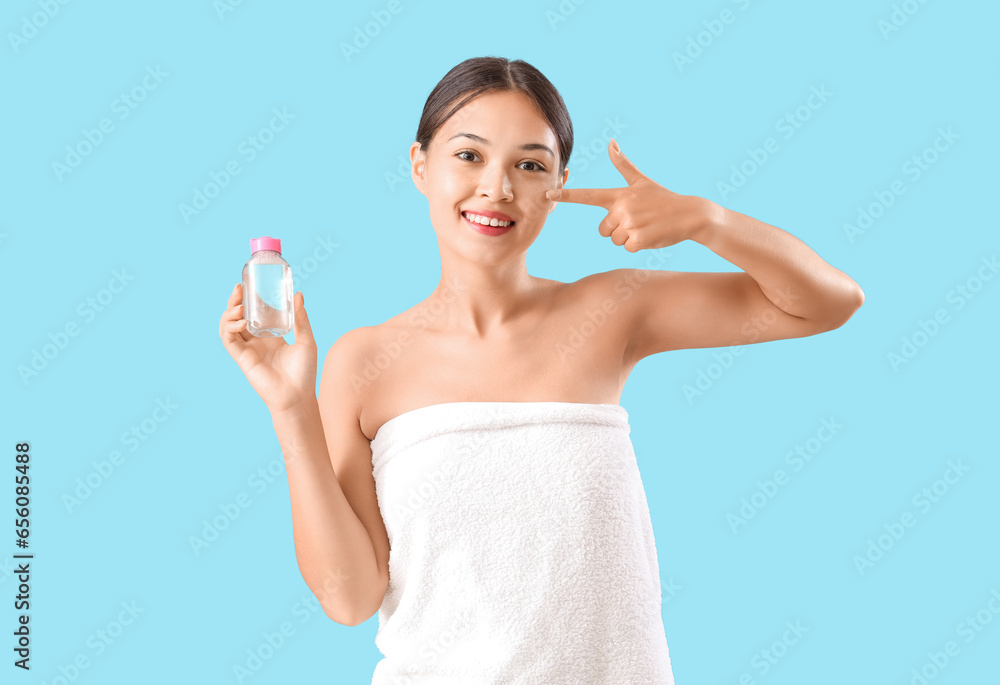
(357, 339)
(355, 347)
(599, 285)
(412, 321)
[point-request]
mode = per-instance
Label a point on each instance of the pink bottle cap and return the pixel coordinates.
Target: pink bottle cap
(265, 243)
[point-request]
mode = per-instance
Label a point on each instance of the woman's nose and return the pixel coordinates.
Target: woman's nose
(495, 184)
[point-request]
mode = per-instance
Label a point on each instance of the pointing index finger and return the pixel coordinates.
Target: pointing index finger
(602, 197)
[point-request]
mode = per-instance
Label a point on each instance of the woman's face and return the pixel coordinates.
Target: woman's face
(497, 154)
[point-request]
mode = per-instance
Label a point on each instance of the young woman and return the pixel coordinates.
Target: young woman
(478, 435)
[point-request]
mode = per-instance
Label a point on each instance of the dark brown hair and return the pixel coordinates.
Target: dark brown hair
(478, 75)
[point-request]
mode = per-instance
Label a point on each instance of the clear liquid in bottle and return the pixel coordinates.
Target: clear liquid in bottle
(268, 304)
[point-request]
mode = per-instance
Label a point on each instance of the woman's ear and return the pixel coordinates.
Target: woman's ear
(418, 160)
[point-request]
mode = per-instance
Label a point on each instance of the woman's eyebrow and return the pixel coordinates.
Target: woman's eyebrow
(526, 146)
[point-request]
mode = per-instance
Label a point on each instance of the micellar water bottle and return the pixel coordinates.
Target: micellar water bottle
(267, 290)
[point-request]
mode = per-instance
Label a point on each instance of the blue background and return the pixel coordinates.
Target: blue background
(362, 249)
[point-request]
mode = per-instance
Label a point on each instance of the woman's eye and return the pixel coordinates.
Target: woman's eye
(472, 156)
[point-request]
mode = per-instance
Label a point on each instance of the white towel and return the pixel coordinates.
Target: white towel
(521, 548)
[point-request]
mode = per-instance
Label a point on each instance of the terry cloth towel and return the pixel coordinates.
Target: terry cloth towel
(521, 548)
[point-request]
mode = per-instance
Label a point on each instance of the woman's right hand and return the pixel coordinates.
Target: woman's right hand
(283, 375)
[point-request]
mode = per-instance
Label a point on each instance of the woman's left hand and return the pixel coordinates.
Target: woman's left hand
(643, 215)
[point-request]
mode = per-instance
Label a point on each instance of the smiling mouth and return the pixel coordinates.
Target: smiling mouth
(486, 221)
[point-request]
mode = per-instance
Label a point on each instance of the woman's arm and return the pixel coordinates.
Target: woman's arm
(789, 274)
(785, 290)
(341, 544)
(333, 548)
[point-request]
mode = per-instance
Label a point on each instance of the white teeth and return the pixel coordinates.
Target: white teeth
(485, 221)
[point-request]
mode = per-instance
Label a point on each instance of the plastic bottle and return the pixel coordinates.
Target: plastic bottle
(267, 290)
